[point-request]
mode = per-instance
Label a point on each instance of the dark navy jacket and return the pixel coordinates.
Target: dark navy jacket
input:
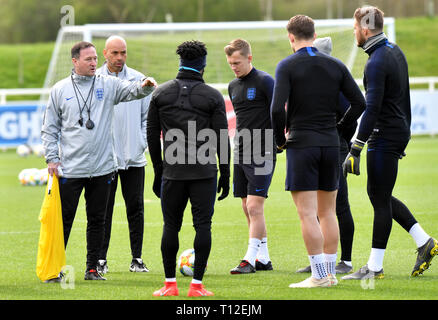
(311, 83)
(251, 97)
(388, 103)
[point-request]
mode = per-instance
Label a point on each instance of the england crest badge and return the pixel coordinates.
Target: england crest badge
(99, 94)
(251, 93)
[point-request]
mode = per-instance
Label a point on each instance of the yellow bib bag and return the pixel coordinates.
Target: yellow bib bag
(51, 249)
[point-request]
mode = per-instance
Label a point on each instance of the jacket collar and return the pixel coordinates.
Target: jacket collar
(374, 42)
(79, 78)
(124, 74)
(249, 74)
(188, 74)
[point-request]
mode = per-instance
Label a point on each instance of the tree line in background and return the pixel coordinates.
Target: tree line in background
(24, 21)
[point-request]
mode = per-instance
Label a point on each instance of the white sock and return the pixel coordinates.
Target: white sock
(419, 235)
(170, 279)
(194, 281)
(317, 263)
(375, 261)
(263, 254)
(348, 263)
(330, 262)
(253, 248)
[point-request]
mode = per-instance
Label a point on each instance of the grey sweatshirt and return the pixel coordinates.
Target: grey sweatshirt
(129, 125)
(81, 151)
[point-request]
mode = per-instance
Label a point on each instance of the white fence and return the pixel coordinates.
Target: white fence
(4, 93)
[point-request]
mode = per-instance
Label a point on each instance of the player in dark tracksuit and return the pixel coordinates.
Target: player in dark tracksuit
(343, 211)
(255, 152)
(385, 127)
(183, 109)
(311, 82)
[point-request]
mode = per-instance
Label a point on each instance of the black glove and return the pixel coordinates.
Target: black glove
(224, 186)
(280, 149)
(156, 187)
(352, 162)
(347, 132)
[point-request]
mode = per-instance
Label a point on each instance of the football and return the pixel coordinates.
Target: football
(38, 150)
(33, 177)
(186, 262)
(23, 150)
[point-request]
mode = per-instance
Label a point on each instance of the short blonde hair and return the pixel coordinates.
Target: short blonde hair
(370, 17)
(240, 45)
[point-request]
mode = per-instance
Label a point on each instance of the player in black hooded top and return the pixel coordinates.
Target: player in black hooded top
(179, 107)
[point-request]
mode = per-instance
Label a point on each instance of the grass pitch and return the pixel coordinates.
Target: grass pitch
(417, 186)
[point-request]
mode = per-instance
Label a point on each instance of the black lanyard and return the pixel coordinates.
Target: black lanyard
(89, 124)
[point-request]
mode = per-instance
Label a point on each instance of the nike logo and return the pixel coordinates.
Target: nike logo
(351, 159)
(69, 98)
(258, 190)
(201, 293)
(164, 292)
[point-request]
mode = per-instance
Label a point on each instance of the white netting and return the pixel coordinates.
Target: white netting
(151, 47)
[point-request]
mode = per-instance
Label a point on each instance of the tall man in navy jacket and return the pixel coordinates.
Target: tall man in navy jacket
(311, 82)
(385, 126)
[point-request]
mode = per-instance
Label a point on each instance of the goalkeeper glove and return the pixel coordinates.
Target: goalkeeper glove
(352, 162)
(224, 186)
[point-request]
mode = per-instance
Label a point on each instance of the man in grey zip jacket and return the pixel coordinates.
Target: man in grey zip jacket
(129, 131)
(77, 137)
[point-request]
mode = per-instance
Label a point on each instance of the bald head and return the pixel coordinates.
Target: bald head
(115, 53)
(114, 40)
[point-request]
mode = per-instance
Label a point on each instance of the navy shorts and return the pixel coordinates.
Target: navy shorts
(312, 168)
(252, 179)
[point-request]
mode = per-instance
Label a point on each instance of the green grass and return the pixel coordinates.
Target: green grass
(27, 64)
(19, 234)
(418, 41)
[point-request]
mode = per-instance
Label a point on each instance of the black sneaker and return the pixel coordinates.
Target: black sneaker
(243, 267)
(307, 269)
(342, 268)
(137, 265)
(58, 279)
(92, 274)
(259, 266)
(102, 266)
(424, 256)
(364, 273)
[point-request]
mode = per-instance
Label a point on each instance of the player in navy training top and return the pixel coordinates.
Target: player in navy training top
(254, 160)
(311, 83)
(343, 211)
(385, 126)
